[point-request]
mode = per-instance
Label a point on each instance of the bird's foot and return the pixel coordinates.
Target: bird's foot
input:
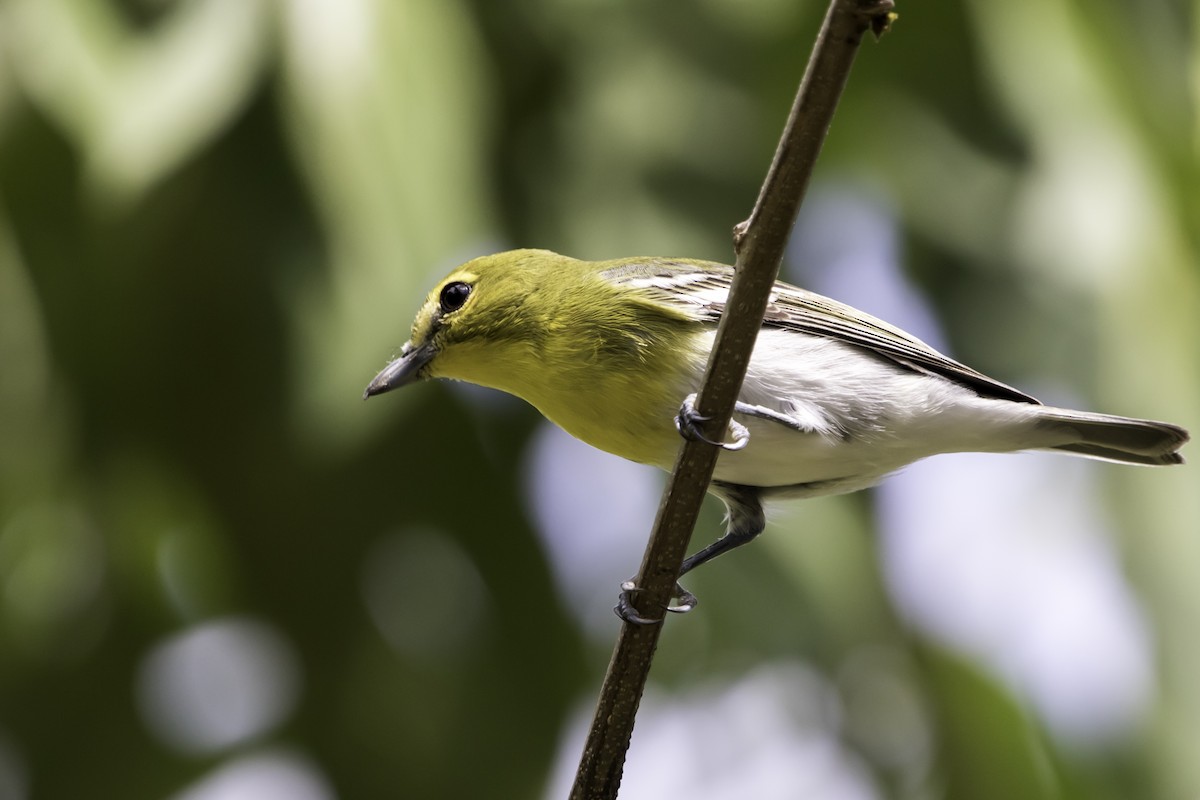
(624, 609)
(689, 421)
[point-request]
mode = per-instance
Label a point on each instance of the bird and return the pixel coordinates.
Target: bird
(834, 400)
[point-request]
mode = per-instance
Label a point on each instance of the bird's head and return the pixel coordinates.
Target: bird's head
(484, 322)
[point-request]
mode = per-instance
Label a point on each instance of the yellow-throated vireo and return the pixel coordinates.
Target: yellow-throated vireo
(833, 400)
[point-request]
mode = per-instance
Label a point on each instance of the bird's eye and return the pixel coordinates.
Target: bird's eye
(454, 295)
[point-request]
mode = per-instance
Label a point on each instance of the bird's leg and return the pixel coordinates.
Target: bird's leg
(746, 521)
(689, 421)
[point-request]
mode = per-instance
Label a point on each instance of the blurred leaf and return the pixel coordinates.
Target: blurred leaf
(387, 108)
(138, 104)
(991, 749)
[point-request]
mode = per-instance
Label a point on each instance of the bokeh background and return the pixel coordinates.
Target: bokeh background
(224, 576)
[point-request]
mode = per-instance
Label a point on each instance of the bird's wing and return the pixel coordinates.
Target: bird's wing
(700, 290)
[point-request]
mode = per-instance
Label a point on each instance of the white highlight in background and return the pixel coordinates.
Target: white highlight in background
(772, 735)
(217, 684)
(593, 512)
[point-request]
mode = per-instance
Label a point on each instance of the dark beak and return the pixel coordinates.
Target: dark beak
(404, 370)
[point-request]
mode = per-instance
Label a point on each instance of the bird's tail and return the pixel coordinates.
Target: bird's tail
(1123, 439)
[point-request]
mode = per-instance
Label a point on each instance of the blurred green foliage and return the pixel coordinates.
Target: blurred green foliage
(217, 216)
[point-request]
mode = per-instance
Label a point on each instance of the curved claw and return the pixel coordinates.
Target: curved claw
(688, 422)
(624, 607)
(625, 610)
(687, 601)
(741, 436)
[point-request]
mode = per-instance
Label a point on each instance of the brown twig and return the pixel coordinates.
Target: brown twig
(759, 243)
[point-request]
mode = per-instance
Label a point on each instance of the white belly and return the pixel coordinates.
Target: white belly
(861, 417)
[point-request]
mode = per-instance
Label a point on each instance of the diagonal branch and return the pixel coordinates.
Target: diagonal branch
(759, 243)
